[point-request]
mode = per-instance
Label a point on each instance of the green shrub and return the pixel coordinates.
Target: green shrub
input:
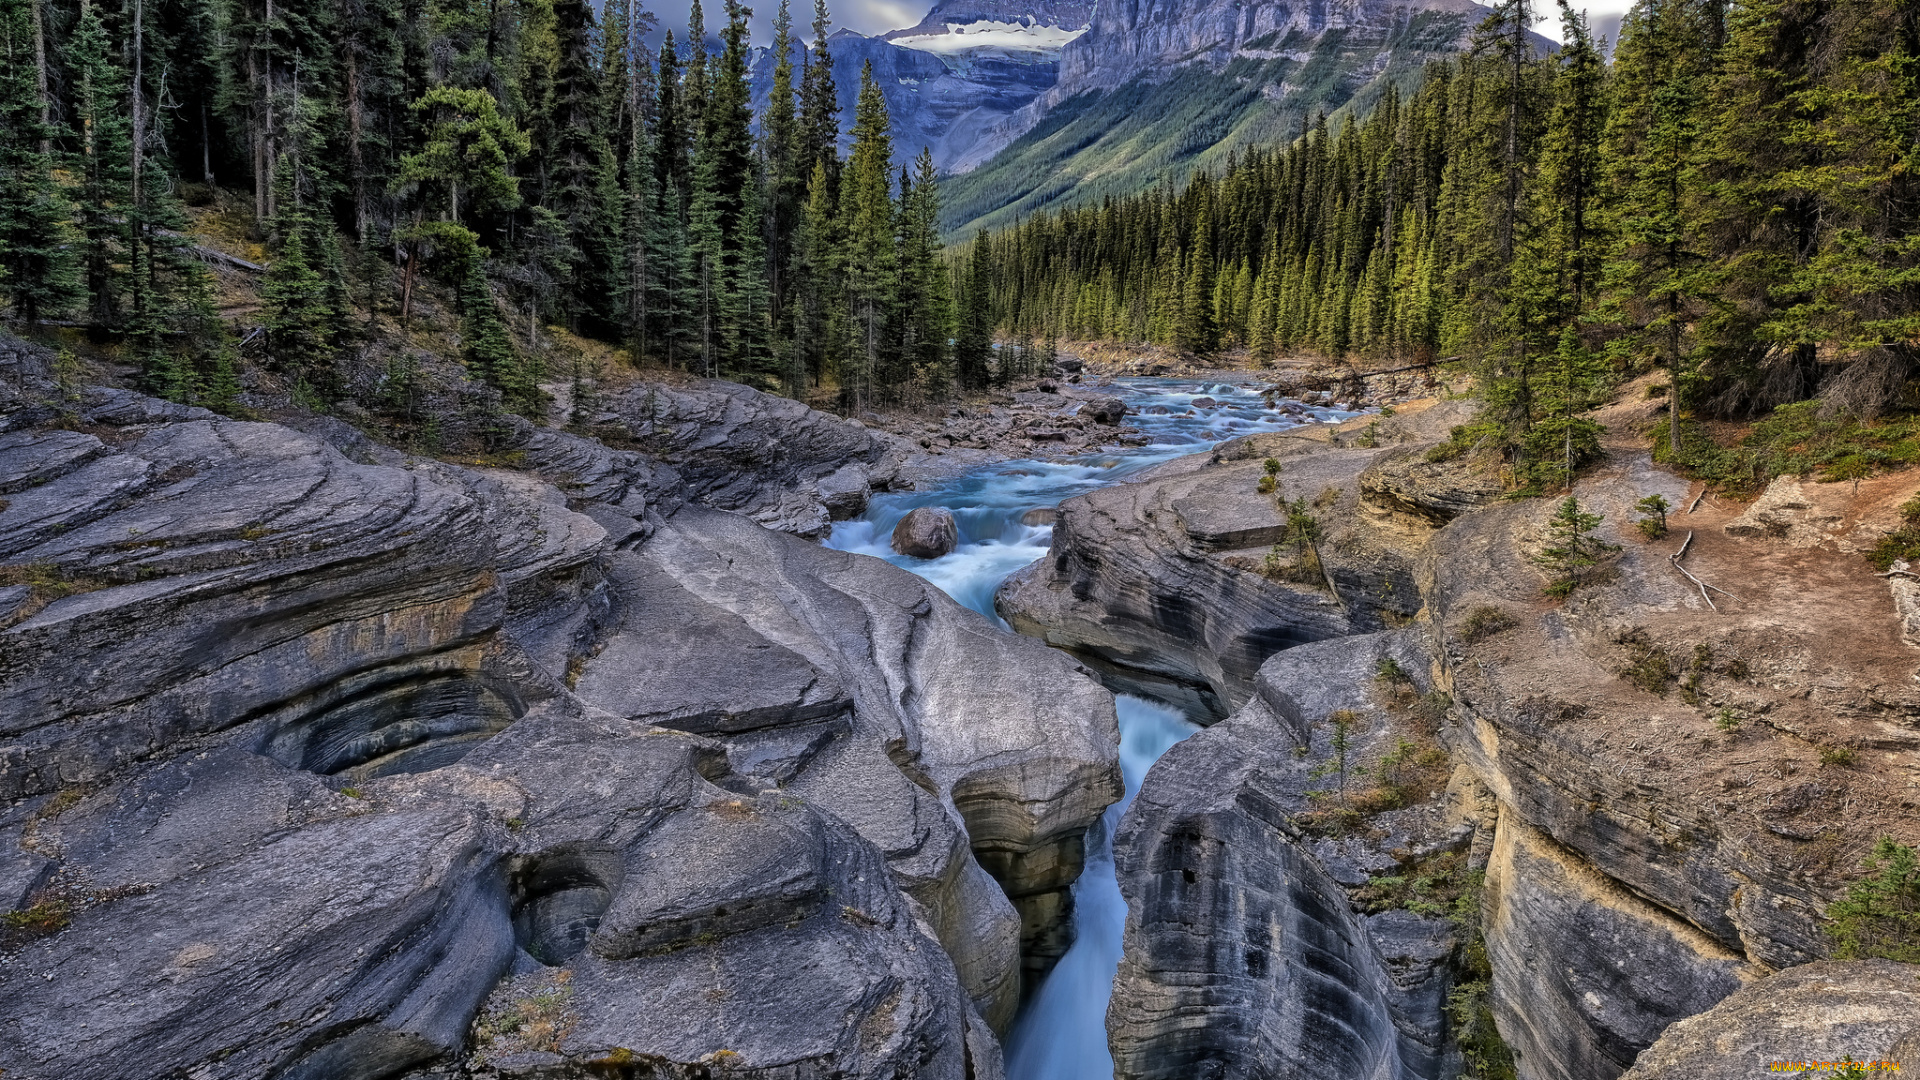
(1901, 545)
(1648, 668)
(1653, 520)
(1880, 916)
(1795, 440)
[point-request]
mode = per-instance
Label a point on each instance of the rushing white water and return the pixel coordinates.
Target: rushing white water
(1061, 1033)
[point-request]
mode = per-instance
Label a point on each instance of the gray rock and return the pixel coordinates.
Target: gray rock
(1865, 1010)
(1243, 955)
(1586, 974)
(975, 762)
(1161, 584)
(789, 467)
(1040, 515)
(293, 740)
(1105, 410)
(927, 532)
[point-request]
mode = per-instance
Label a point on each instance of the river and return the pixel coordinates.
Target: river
(1061, 1032)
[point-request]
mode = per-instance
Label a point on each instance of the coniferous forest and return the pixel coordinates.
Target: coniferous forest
(537, 161)
(1733, 198)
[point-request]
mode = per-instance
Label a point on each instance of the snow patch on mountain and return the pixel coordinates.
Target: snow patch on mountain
(1038, 39)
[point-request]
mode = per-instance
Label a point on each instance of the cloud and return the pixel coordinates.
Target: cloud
(867, 17)
(1603, 19)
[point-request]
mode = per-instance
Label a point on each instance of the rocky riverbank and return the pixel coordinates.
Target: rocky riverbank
(321, 760)
(1443, 805)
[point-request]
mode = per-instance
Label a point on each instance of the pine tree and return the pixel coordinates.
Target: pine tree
(781, 150)
(104, 194)
(1662, 61)
(1571, 547)
(38, 267)
(869, 255)
(819, 105)
(925, 303)
(1197, 331)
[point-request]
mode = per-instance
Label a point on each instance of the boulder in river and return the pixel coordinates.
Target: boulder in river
(1106, 410)
(1040, 515)
(1204, 403)
(927, 532)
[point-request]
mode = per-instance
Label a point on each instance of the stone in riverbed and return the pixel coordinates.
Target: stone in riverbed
(1107, 410)
(927, 532)
(1040, 515)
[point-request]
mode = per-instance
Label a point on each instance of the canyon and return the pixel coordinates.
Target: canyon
(586, 758)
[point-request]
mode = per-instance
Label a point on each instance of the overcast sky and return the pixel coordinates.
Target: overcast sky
(879, 16)
(862, 16)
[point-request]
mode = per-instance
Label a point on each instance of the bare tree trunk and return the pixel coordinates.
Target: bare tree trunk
(258, 137)
(139, 121)
(356, 154)
(206, 147)
(272, 136)
(413, 260)
(40, 76)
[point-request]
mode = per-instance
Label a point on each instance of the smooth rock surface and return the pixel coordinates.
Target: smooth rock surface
(293, 737)
(1833, 1010)
(1165, 584)
(927, 532)
(1244, 955)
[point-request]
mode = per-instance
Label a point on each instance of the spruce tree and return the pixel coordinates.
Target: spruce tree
(104, 193)
(38, 267)
(1197, 331)
(869, 255)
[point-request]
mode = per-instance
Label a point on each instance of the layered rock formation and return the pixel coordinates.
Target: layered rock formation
(1867, 1012)
(1166, 585)
(318, 767)
(953, 81)
(1579, 823)
(1244, 955)
(1155, 89)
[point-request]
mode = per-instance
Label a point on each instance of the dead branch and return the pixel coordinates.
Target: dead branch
(1675, 560)
(1696, 500)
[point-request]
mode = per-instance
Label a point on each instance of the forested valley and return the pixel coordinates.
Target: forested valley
(1733, 198)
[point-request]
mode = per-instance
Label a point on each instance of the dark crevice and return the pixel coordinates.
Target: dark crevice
(414, 723)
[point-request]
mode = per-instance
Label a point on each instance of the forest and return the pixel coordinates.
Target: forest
(532, 159)
(1735, 199)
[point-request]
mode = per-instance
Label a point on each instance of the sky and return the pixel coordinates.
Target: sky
(867, 17)
(879, 16)
(1603, 20)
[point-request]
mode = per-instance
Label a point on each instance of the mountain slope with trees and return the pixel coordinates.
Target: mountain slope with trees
(1736, 199)
(532, 159)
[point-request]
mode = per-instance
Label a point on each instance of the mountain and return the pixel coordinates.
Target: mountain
(954, 82)
(1157, 88)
